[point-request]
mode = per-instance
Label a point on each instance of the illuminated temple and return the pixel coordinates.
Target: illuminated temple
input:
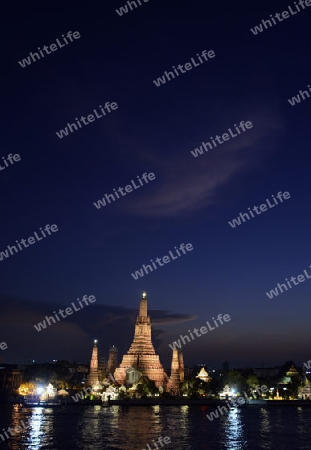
(93, 374)
(141, 355)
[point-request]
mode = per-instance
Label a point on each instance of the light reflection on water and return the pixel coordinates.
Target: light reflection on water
(232, 430)
(39, 431)
(265, 428)
(132, 428)
(303, 429)
(36, 428)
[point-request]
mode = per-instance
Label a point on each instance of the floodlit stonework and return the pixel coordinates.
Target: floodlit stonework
(203, 375)
(141, 354)
(174, 380)
(93, 375)
(132, 376)
(112, 360)
(305, 390)
(181, 366)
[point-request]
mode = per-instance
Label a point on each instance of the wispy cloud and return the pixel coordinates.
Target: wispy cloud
(160, 317)
(189, 184)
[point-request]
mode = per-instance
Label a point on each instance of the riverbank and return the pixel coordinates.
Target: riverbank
(172, 401)
(175, 401)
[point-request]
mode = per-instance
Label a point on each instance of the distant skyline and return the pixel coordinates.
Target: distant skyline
(192, 199)
(72, 338)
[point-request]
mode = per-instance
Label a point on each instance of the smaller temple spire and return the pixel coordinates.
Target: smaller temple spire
(174, 380)
(93, 374)
(112, 360)
(181, 366)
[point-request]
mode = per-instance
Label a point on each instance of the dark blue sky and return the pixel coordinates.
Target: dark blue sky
(191, 200)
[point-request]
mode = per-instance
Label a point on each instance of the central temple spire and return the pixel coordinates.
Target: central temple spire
(143, 307)
(141, 354)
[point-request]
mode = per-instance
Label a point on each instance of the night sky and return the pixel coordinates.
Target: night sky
(191, 199)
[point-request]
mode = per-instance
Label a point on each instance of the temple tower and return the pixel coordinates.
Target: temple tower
(102, 367)
(181, 366)
(141, 354)
(174, 381)
(204, 376)
(112, 360)
(93, 374)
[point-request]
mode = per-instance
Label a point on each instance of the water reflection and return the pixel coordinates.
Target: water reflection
(302, 429)
(89, 429)
(265, 428)
(184, 417)
(34, 431)
(232, 428)
(18, 420)
(117, 428)
(36, 422)
(141, 425)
